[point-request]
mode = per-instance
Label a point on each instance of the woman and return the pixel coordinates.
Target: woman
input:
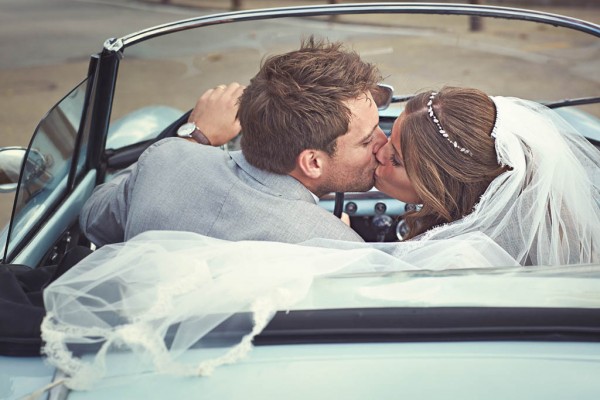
(509, 168)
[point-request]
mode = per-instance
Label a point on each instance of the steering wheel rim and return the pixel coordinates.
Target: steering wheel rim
(338, 204)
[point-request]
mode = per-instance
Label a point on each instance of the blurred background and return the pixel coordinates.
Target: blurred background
(46, 46)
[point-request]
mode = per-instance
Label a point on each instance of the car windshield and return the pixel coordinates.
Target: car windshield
(414, 52)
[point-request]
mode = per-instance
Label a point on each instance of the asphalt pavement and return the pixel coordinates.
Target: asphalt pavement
(46, 47)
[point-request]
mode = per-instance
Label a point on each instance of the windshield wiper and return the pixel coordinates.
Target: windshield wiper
(572, 102)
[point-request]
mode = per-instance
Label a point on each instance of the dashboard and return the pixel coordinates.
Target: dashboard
(374, 215)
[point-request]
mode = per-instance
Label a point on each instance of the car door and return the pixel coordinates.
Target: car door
(52, 165)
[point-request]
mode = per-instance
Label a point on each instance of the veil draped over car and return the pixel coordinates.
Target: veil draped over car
(145, 306)
(159, 294)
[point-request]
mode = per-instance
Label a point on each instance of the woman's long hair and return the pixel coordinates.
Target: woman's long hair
(449, 182)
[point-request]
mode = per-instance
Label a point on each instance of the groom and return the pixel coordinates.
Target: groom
(310, 127)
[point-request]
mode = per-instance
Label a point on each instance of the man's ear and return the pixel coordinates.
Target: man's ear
(310, 163)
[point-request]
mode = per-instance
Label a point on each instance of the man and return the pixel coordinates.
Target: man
(310, 127)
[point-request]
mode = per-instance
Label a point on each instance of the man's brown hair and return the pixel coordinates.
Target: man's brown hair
(448, 182)
(296, 102)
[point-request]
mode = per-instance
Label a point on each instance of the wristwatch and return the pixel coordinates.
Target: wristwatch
(190, 130)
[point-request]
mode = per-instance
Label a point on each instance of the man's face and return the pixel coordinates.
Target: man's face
(352, 167)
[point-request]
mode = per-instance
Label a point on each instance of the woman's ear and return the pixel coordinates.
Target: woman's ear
(310, 163)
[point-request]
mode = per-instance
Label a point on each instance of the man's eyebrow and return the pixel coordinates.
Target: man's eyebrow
(368, 136)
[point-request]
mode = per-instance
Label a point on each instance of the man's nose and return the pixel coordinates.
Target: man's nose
(380, 140)
(381, 154)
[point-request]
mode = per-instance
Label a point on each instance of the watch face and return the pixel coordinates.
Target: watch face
(186, 129)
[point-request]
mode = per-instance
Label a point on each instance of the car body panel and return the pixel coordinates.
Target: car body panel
(20, 376)
(584, 122)
(140, 125)
(64, 216)
(475, 370)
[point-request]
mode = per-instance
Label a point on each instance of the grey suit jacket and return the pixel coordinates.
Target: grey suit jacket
(178, 185)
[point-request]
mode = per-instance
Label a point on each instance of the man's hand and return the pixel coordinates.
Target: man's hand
(345, 218)
(215, 113)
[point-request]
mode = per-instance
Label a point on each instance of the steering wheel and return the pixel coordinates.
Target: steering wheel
(339, 204)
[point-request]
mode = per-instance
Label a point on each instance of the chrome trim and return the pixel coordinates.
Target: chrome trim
(59, 392)
(374, 8)
(113, 44)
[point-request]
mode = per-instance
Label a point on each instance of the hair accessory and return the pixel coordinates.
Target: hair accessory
(440, 129)
(494, 133)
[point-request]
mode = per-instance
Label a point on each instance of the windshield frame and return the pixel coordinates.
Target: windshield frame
(325, 10)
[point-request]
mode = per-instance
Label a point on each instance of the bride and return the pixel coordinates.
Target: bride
(508, 168)
(502, 182)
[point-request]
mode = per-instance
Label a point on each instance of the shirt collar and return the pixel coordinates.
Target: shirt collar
(279, 185)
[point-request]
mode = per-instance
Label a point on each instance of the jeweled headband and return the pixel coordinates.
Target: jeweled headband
(439, 126)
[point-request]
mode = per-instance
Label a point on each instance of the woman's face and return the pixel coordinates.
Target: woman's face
(390, 176)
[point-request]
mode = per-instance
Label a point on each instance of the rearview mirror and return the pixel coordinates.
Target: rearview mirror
(383, 96)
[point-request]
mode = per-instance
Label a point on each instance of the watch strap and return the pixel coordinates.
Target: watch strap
(200, 137)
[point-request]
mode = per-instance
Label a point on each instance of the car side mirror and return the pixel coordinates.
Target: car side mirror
(383, 96)
(11, 159)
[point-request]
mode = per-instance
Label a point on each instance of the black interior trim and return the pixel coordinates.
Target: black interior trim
(432, 324)
(402, 325)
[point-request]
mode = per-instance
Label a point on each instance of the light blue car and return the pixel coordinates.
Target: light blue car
(501, 333)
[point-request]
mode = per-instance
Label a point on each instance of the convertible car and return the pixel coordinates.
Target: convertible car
(497, 333)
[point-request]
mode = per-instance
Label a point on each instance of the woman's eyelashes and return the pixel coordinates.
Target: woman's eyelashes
(395, 162)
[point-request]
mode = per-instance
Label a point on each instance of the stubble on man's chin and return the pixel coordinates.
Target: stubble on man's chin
(358, 187)
(363, 188)
(342, 184)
